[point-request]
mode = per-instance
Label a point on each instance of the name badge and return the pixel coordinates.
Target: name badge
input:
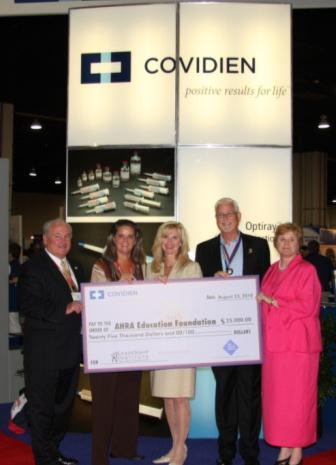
(76, 296)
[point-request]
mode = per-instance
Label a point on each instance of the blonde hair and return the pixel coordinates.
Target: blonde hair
(158, 255)
(288, 227)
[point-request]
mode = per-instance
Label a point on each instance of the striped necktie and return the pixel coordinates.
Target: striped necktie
(67, 275)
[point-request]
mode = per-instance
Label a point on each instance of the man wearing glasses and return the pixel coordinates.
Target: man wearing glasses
(238, 388)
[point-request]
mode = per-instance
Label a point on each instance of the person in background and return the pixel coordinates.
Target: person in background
(14, 273)
(48, 299)
(290, 296)
(330, 253)
(115, 395)
(238, 388)
(35, 247)
(14, 262)
(175, 386)
(304, 251)
(323, 265)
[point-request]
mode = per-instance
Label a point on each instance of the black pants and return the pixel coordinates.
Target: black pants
(50, 394)
(238, 408)
(115, 414)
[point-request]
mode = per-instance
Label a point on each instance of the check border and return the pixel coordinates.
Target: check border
(97, 290)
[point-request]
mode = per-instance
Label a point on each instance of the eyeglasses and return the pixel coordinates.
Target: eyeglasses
(223, 216)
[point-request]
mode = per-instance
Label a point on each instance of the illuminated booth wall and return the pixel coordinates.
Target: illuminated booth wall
(206, 86)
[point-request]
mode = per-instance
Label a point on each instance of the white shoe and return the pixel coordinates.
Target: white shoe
(183, 459)
(162, 459)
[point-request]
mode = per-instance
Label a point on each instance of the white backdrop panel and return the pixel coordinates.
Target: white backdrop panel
(140, 111)
(258, 178)
(239, 107)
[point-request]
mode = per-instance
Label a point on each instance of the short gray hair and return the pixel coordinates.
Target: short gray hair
(48, 224)
(227, 201)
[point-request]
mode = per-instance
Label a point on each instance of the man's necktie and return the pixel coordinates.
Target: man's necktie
(67, 275)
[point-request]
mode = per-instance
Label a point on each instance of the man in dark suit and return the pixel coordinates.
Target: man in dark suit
(323, 265)
(238, 388)
(48, 296)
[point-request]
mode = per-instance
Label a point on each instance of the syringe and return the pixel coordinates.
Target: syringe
(156, 189)
(94, 202)
(93, 248)
(150, 203)
(141, 193)
(136, 207)
(153, 182)
(95, 195)
(103, 208)
(87, 189)
(162, 177)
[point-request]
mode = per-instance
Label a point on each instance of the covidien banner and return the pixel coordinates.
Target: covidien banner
(223, 68)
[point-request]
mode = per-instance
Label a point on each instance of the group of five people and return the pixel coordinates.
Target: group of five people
(290, 297)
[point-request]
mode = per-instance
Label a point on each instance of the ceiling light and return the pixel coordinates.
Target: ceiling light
(333, 200)
(58, 180)
(323, 124)
(36, 125)
(32, 172)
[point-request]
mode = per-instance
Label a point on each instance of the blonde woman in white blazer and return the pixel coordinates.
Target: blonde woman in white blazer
(175, 386)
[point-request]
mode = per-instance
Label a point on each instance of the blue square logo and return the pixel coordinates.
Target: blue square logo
(88, 77)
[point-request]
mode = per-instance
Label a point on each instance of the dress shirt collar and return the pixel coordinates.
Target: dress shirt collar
(231, 243)
(55, 259)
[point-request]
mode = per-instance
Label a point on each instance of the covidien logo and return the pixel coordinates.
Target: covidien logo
(92, 65)
(97, 295)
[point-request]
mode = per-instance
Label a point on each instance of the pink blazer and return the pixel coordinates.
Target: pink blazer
(295, 325)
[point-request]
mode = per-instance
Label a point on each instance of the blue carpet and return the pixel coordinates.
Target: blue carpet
(201, 451)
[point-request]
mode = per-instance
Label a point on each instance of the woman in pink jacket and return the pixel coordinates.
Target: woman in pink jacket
(291, 297)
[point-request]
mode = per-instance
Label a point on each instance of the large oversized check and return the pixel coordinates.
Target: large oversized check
(148, 324)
